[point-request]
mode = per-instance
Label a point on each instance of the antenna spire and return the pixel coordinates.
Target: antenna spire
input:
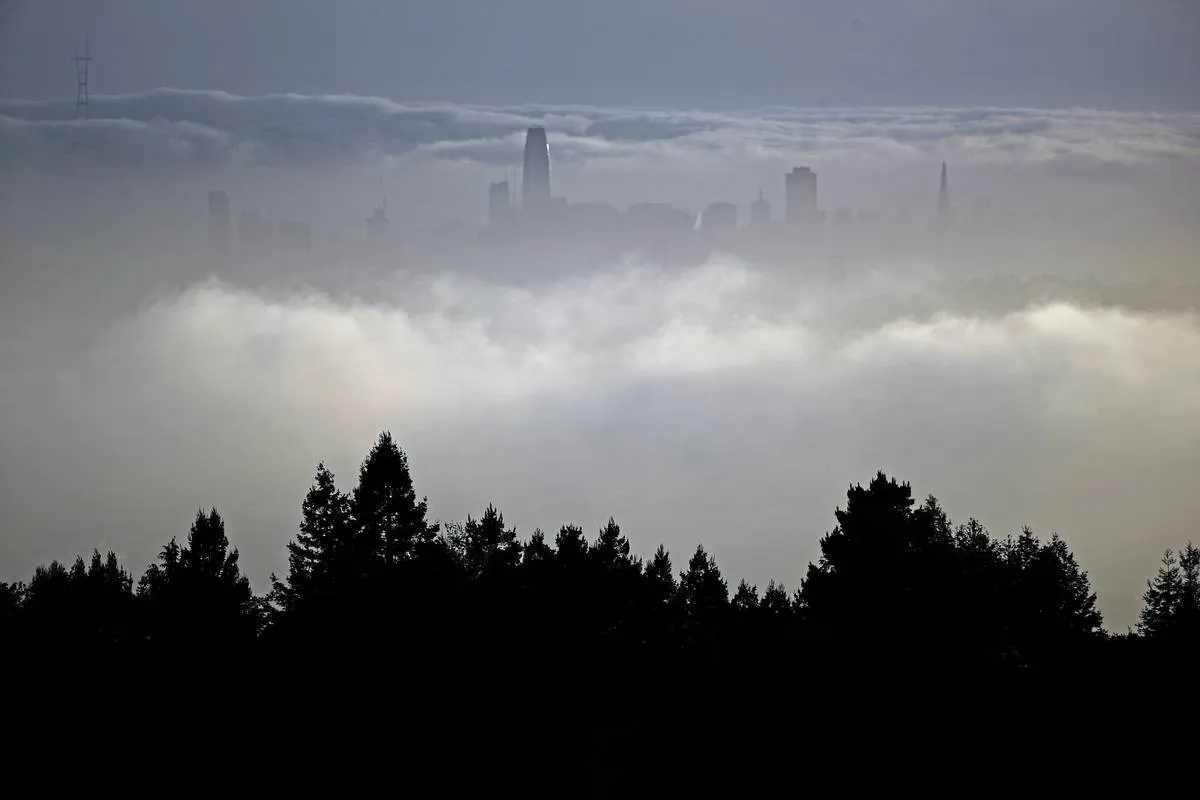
(81, 78)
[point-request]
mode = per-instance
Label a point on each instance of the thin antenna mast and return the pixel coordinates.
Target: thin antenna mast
(81, 78)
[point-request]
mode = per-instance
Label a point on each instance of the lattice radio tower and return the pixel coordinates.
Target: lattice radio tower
(81, 79)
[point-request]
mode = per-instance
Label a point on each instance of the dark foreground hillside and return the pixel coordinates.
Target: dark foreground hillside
(562, 664)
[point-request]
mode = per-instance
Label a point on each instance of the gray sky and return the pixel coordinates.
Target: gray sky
(723, 403)
(1105, 53)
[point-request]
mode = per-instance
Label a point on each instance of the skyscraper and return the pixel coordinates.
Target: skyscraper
(801, 195)
(760, 211)
(944, 196)
(219, 223)
(535, 176)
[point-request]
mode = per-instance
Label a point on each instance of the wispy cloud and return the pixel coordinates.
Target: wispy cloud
(171, 124)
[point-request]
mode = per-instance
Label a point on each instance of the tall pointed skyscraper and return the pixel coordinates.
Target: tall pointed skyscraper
(944, 196)
(535, 177)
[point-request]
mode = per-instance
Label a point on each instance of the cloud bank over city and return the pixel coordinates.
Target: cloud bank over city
(729, 401)
(181, 127)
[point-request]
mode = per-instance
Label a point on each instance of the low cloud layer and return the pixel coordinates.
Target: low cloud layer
(730, 403)
(720, 404)
(179, 126)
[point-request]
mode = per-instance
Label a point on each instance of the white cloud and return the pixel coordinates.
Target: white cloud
(315, 129)
(683, 403)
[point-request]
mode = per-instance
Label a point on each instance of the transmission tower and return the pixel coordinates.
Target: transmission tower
(81, 79)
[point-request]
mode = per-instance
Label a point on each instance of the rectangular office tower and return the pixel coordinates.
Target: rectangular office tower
(801, 196)
(535, 176)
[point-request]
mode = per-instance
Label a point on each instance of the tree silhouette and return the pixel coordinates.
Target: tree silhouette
(196, 593)
(660, 576)
(320, 558)
(371, 585)
(611, 549)
(390, 518)
(570, 547)
(745, 599)
(859, 588)
(775, 601)
(488, 547)
(704, 592)
(1050, 606)
(1172, 599)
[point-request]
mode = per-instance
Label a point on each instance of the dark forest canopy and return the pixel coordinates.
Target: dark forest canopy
(895, 577)
(588, 649)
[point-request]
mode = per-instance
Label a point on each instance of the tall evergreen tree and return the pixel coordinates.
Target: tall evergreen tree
(321, 557)
(611, 548)
(775, 601)
(489, 548)
(1050, 606)
(1172, 600)
(391, 520)
(660, 576)
(570, 547)
(702, 588)
(536, 551)
(197, 593)
(857, 588)
(745, 599)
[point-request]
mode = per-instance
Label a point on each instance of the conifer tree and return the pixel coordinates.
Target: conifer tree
(661, 577)
(320, 558)
(745, 599)
(1172, 598)
(197, 592)
(391, 521)
(775, 600)
(488, 546)
(611, 548)
(702, 588)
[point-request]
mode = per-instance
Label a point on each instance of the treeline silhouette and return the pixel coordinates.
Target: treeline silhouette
(578, 632)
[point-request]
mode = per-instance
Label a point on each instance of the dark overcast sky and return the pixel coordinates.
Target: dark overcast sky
(1110, 53)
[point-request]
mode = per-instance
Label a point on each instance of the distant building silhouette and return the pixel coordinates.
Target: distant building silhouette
(219, 223)
(760, 211)
(500, 208)
(535, 175)
(801, 195)
(377, 224)
(719, 218)
(944, 196)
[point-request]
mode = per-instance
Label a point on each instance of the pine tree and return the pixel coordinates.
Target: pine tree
(390, 519)
(660, 576)
(1162, 599)
(611, 548)
(320, 558)
(1172, 599)
(702, 588)
(857, 586)
(489, 547)
(570, 547)
(536, 551)
(197, 592)
(1050, 606)
(775, 601)
(745, 599)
